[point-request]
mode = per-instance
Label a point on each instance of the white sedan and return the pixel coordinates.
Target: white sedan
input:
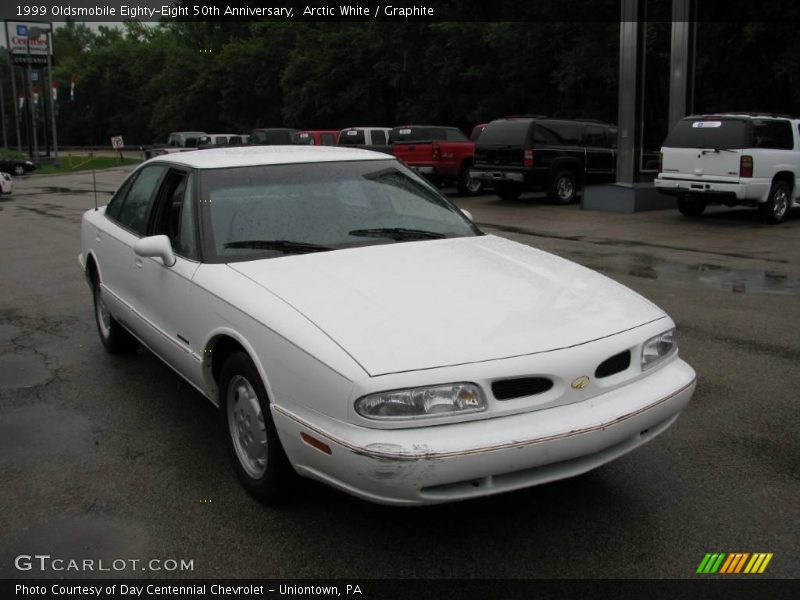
(355, 327)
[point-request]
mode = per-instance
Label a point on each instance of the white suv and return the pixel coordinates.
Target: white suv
(742, 158)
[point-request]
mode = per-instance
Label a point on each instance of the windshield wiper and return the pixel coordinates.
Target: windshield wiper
(715, 150)
(398, 233)
(285, 246)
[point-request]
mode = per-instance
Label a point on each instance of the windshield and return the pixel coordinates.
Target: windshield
(274, 210)
(709, 132)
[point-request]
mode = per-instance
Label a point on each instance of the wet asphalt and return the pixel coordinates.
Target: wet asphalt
(110, 457)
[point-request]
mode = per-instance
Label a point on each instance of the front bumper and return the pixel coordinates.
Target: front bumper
(741, 191)
(428, 465)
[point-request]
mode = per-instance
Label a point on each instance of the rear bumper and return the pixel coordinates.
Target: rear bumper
(443, 463)
(742, 191)
(508, 176)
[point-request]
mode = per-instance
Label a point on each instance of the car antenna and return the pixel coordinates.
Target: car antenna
(94, 186)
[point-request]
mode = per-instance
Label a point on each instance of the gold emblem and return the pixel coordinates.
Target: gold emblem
(580, 383)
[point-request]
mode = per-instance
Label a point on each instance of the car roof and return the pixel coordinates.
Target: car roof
(741, 115)
(251, 156)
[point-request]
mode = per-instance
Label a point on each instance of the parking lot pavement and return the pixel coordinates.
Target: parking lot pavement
(110, 457)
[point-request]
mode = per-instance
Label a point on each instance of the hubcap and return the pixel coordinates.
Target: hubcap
(473, 185)
(246, 425)
(781, 203)
(103, 316)
(565, 189)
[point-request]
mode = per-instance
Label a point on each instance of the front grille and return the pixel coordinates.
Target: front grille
(507, 389)
(615, 364)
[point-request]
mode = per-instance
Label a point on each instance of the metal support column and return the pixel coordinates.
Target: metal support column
(631, 91)
(681, 83)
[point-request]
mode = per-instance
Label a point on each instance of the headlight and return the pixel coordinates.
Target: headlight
(658, 347)
(422, 402)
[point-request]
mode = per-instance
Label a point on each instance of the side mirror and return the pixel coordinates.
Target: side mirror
(467, 213)
(157, 246)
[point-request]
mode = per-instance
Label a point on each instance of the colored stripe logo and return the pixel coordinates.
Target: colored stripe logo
(734, 562)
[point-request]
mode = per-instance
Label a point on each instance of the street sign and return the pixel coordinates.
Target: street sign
(117, 142)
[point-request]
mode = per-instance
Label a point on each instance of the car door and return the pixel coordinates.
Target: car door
(168, 301)
(126, 222)
(599, 156)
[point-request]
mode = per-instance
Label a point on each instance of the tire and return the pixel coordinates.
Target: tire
(115, 338)
(507, 191)
(691, 208)
(19, 170)
(253, 444)
(468, 186)
(775, 209)
(564, 188)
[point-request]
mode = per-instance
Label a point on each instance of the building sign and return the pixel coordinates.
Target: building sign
(25, 45)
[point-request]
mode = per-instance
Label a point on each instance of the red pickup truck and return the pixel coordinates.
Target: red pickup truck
(442, 154)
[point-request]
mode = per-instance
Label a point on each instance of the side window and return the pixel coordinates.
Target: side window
(133, 213)
(174, 214)
(379, 138)
(595, 136)
(773, 134)
(565, 133)
(327, 139)
(112, 210)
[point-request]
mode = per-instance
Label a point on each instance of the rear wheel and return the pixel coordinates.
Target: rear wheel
(469, 186)
(774, 210)
(253, 443)
(507, 191)
(691, 208)
(115, 338)
(564, 188)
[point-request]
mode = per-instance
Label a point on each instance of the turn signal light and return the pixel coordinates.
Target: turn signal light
(528, 162)
(315, 443)
(746, 166)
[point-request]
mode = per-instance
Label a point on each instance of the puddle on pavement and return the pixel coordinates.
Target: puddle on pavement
(739, 281)
(22, 371)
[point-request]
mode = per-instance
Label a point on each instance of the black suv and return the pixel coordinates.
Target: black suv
(519, 154)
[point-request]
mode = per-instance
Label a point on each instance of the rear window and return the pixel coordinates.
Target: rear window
(305, 139)
(272, 136)
(505, 132)
(425, 134)
(378, 138)
(708, 132)
(351, 137)
(476, 132)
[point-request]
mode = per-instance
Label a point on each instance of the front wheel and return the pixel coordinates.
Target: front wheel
(253, 443)
(691, 208)
(564, 188)
(774, 210)
(469, 186)
(115, 338)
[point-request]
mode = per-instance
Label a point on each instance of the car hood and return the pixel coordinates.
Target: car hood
(419, 305)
